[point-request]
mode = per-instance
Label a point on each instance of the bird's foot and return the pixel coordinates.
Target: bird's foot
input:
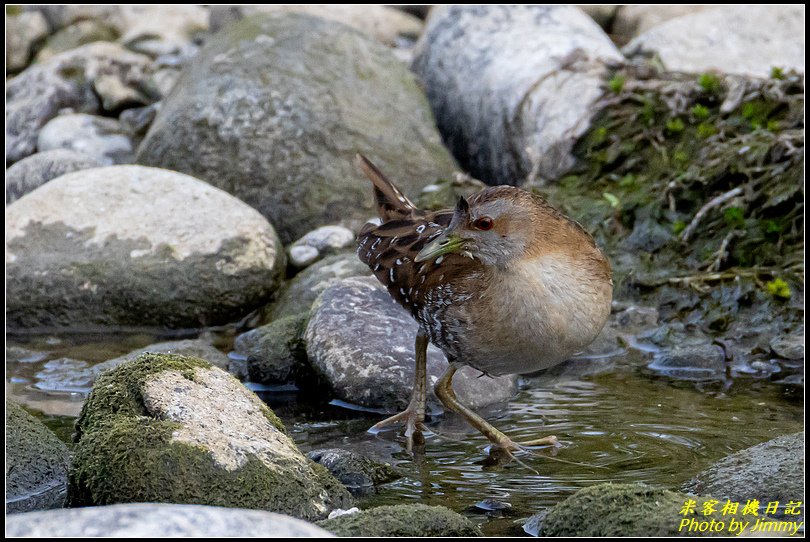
(508, 445)
(413, 421)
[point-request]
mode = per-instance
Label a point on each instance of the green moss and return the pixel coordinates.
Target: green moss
(700, 112)
(777, 73)
(402, 520)
(118, 391)
(123, 454)
(710, 83)
(778, 288)
(627, 510)
(663, 172)
(616, 83)
(675, 126)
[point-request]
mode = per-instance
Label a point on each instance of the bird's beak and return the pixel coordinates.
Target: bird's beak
(447, 243)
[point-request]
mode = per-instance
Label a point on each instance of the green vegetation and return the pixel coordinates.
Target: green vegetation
(696, 193)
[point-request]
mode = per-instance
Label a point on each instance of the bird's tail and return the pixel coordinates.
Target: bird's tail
(391, 202)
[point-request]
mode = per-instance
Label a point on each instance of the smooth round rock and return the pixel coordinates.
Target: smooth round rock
(754, 40)
(513, 87)
(23, 30)
(320, 242)
(362, 343)
(274, 108)
(35, 170)
(154, 520)
(103, 139)
(36, 463)
(383, 23)
(131, 245)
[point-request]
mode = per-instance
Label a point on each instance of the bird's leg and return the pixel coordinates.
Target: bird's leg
(413, 416)
(444, 391)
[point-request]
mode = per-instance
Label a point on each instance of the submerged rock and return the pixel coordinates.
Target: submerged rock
(771, 471)
(358, 473)
(155, 520)
(103, 139)
(691, 362)
(362, 343)
(35, 170)
(402, 520)
(755, 39)
(96, 77)
(36, 463)
(294, 98)
(168, 428)
(131, 245)
(512, 87)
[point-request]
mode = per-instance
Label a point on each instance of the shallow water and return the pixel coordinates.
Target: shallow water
(628, 425)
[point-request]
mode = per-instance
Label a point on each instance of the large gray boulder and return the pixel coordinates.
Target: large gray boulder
(35, 170)
(754, 40)
(36, 463)
(96, 77)
(273, 110)
(513, 87)
(362, 343)
(131, 245)
(169, 428)
(155, 520)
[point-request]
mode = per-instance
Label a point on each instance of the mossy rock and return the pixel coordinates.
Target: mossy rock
(632, 510)
(402, 520)
(360, 474)
(275, 352)
(170, 428)
(36, 463)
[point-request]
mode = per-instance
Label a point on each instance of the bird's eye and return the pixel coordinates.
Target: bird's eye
(484, 223)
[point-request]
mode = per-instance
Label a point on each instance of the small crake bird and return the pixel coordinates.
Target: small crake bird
(503, 283)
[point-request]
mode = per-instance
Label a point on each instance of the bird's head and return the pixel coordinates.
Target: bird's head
(497, 226)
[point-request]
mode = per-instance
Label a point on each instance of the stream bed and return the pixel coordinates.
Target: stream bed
(625, 425)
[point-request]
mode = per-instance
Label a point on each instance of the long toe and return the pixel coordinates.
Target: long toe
(550, 440)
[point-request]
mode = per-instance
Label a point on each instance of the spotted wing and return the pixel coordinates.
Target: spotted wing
(389, 250)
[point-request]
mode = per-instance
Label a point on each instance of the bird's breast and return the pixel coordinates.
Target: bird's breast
(534, 315)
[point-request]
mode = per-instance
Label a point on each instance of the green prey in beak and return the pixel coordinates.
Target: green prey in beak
(449, 242)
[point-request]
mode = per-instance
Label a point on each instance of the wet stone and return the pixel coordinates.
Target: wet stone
(360, 474)
(696, 362)
(36, 463)
(362, 344)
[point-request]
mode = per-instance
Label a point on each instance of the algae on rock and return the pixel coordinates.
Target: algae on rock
(169, 428)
